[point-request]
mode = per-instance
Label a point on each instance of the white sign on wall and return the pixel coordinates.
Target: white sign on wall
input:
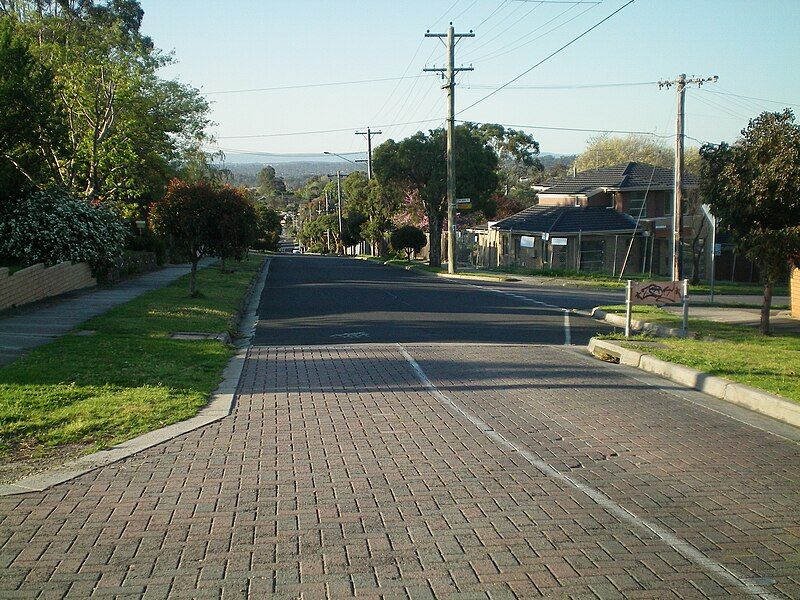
(527, 241)
(558, 241)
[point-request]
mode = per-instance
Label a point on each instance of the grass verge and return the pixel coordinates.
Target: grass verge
(126, 378)
(610, 281)
(738, 353)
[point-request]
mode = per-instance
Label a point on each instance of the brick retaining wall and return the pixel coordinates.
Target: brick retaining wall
(37, 282)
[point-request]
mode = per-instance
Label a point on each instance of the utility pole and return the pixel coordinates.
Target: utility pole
(368, 133)
(339, 204)
(677, 208)
(450, 85)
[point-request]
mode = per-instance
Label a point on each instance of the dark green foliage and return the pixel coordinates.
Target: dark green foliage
(268, 228)
(51, 226)
(233, 226)
(417, 165)
(29, 114)
(753, 187)
(408, 239)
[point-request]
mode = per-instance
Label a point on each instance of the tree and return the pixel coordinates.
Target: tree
(351, 229)
(753, 187)
(268, 183)
(126, 127)
(517, 152)
(268, 227)
(30, 113)
(377, 202)
(187, 215)
(409, 239)
(416, 165)
(233, 226)
(607, 151)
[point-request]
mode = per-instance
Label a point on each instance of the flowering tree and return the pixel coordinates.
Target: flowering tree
(51, 226)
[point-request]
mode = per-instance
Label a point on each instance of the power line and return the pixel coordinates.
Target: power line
(289, 154)
(311, 85)
(752, 97)
(491, 14)
(507, 49)
(549, 56)
(317, 131)
(577, 86)
(554, 128)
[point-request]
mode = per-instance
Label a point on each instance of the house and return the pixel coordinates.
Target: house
(595, 220)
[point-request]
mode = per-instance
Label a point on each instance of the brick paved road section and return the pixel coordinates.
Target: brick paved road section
(339, 473)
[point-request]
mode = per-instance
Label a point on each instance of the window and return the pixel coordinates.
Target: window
(667, 204)
(636, 206)
(592, 255)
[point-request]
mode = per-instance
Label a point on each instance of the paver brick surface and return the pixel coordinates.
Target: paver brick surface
(340, 474)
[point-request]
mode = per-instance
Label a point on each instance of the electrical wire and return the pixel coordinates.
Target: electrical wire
(750, 97)
(549, 56)
(577, 86)
(314, 132)
(491, 14)
(502, 51)
(311, 85)
(554, 128)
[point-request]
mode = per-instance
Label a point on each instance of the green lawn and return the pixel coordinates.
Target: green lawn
(126, 378)
(738, 353)
(609, 281)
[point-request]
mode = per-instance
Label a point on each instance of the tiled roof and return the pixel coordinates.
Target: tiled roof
(567, 219)
(619, 177)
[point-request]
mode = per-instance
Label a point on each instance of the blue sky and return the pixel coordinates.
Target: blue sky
(752, 45)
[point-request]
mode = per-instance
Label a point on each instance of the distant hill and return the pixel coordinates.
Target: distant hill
(295, 174)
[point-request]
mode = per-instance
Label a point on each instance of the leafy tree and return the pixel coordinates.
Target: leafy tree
(408, 239)
(234, 225)
(187, 214)
(375, 201)
(417, 165)
(268, 183)
(30, 113)
(268, 226)
(607, 151)
(517, 152)
(351, 229)
(753, 187)
(126, 126)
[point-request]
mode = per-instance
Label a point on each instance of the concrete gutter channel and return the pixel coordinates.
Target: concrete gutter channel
(771, 405)
(219, 406)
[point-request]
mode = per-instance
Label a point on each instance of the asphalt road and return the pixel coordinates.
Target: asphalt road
(326, 300)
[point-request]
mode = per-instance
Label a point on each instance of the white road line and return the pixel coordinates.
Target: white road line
(681, 546)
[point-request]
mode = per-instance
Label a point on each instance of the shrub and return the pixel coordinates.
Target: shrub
(147, 241)
(408, 239)
(51, 226)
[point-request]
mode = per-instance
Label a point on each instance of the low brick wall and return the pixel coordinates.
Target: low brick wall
(794, 292)
(37, 282)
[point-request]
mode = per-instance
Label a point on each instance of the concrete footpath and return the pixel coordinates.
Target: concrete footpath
(39, 323)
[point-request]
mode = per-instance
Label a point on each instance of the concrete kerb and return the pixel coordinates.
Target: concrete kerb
(636, 325)
(220, 406)
(757, 400)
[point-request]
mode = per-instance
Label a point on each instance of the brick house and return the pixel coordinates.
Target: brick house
(590, 220)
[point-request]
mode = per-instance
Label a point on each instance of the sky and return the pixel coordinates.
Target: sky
(224, 46)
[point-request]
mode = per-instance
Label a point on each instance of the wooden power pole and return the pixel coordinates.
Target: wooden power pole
(677, 207)
(449, 73)
(368, 133)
